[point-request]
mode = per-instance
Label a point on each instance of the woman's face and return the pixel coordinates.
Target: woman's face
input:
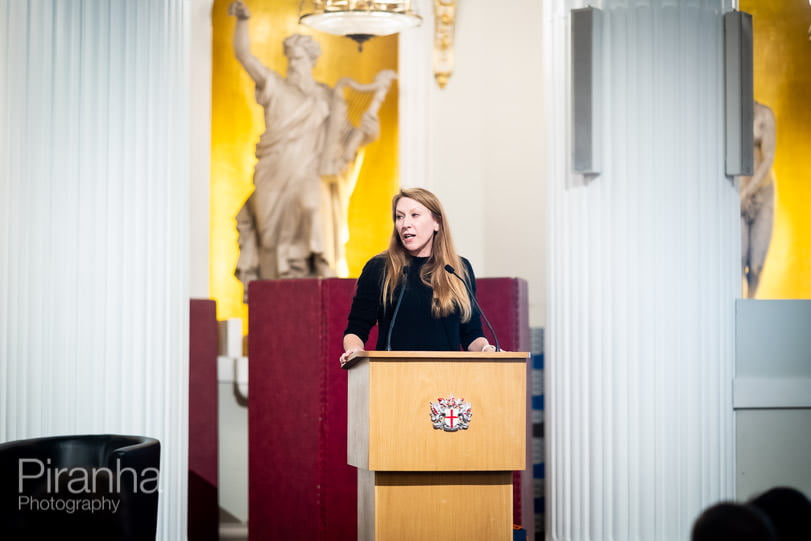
(416, 227)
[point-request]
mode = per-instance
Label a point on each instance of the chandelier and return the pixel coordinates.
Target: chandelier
(359, 20)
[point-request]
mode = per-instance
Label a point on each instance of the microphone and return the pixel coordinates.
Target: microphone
(476, 304)
(397, 308)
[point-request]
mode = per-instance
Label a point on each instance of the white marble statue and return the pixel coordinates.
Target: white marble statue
(757, 200)
(294, 223)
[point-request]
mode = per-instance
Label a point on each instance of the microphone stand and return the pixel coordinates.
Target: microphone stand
(397, 308)
(476, 304)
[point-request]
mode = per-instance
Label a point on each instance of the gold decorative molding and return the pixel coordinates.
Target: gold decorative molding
(444, 25)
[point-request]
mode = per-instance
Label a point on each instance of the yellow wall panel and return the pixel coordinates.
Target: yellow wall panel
(782, 74)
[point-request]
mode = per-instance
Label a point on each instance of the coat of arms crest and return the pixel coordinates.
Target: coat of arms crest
(450, 414)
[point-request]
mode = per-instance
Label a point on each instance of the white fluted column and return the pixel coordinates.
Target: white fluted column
(94, 226)
(643, 273)
(415, 87)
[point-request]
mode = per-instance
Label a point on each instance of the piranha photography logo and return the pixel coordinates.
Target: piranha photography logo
(43, 487)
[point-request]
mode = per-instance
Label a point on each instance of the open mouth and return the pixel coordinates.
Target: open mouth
(407, 236)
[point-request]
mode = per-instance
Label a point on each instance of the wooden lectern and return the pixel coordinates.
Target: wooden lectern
(416, 481)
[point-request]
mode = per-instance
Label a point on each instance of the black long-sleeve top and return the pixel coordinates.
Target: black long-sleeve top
(415, 328)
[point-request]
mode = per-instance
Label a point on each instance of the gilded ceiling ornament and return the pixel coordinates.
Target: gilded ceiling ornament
(444, 25)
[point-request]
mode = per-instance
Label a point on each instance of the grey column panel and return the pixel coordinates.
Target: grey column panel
(738, 82)
(586, 84)
(772, 395)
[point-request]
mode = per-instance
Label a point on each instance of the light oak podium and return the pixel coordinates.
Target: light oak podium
(417, 482)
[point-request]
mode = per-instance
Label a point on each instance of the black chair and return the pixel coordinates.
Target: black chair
(94, 487)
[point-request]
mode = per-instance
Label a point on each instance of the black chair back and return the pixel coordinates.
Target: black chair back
(94, 487)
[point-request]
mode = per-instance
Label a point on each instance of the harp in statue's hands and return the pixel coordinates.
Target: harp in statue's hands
(353, 122)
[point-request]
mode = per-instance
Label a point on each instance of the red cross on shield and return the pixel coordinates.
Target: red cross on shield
(450, 417)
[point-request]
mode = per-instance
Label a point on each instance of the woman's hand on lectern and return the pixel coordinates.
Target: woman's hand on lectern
(346, 354)
(481, 344)
(352, 344)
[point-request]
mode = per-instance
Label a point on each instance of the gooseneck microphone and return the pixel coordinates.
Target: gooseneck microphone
(476, 304)
(397, 308)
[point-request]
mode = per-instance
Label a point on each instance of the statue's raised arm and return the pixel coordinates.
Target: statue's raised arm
(242, 43)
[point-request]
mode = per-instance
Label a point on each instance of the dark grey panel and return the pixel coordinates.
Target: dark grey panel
(738, 83)
(586, 76)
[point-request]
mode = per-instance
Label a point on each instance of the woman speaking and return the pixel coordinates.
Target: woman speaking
(416, 291)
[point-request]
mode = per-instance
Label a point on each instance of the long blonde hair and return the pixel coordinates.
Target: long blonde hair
(449, 292)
